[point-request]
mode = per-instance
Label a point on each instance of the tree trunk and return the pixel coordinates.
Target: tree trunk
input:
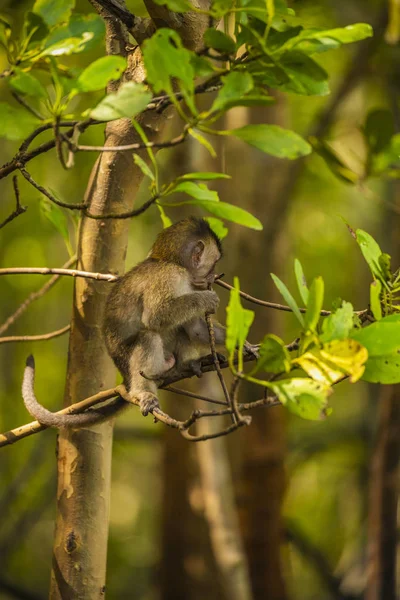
(84, 456)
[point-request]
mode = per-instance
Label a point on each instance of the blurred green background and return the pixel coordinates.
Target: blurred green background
(159, 544)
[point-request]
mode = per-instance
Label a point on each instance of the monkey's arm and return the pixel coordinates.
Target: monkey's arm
(46, 417)
(197, 331)
(174, 312)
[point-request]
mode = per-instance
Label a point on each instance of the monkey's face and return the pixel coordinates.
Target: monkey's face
(205, 256)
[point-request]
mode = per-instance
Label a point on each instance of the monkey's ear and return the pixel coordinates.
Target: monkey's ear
(198, 253)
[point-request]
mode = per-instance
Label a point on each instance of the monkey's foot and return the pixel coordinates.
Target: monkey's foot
(209, 359)
(195, 366)
(147, 402)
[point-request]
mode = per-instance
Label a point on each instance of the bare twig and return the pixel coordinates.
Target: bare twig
(227, 286)
(137, 146)
(48, 195)
(34, 296)
(176, 390)
(28, 107)
(35, 338)
(126, 215)
(50, 271)
(18, 208)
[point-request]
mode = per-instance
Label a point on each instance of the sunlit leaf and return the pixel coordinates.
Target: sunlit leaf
(203, 141)
(314, 305)
(166, 221)
(274, 140)
(66, 46)
(338, 325)
(143, 166)
(226, 211)
(375, 299)
(306, 76)
(128, 101)
(202, 176)
(273, 356)
(371, 252)
(383, 369)
(238, 321)
(382, 337)
(100, 72)
(79, 26)
(304, 397)
(288, 298)
(333, 361)
(301, 281)
(197, 190)
(218, 227)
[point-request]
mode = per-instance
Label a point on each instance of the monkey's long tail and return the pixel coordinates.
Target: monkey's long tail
(50, 419)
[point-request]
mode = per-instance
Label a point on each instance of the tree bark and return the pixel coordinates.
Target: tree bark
(84, 456)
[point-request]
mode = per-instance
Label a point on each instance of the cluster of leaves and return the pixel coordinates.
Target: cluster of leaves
(332, 348)
(267, 49)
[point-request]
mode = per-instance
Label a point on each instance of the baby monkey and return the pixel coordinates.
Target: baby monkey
(154, 323)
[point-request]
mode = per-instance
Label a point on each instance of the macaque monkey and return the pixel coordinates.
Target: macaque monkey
(154, 323)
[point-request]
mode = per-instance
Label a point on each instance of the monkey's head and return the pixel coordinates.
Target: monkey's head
(190, 243)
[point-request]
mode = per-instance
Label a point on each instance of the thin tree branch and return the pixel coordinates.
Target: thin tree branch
(137, 146)
(50, 271)
(126, 215)
(180, 392)
(34, 296)
(35, 338)
(123, 400)
(18, 208)
(48, 195)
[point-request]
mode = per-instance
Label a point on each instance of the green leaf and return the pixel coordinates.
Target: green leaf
(339, 324)
(197, 190)
(100, 72)
(371, 252)
(214, 38)
(53, 11)
(238, 321)
(344, 35)
(375, 299)
(379, 129)
(143, 166)
(302, 396)
(166, 58)
(306, 76)
(273, 356)
(383, 369)
(202, 176)
(34, 28)
(314, 305)
(291, 302)
(250, 100)
(335, 360)
(16, 123)
(130, 100)
(301, 281)
(26, 83)
(89, 28)
(66, 47)
(57, 218)
(274, 140)
(203, 141)
(166, 221)
(380, 338)
(218, 227)
(235, 86)
(226, 211)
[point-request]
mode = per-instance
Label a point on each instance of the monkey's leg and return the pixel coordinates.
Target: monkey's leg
(147, 357)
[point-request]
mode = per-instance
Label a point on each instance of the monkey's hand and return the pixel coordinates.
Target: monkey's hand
(147, 402)
(211, 301)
